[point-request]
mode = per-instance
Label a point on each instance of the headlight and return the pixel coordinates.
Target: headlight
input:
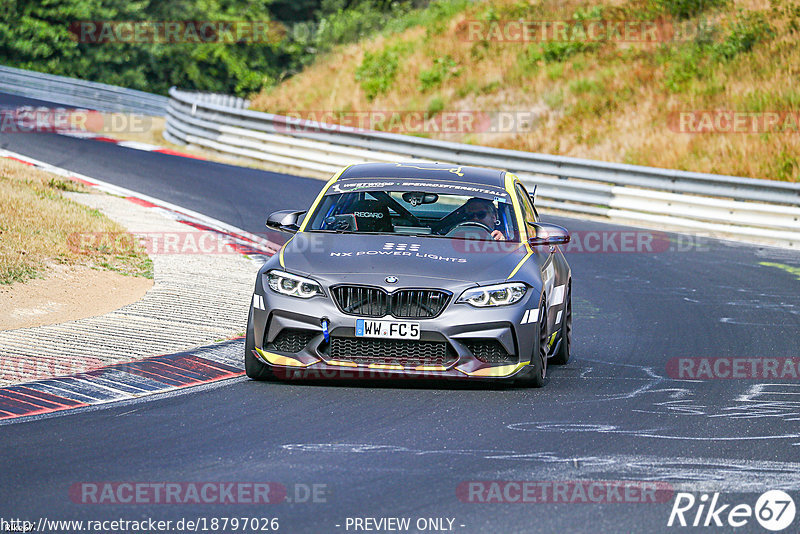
(293, 285)
(496, 295)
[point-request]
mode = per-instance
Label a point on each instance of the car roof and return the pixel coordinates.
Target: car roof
(430, 171)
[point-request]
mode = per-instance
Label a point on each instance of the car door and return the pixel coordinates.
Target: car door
(553, 288)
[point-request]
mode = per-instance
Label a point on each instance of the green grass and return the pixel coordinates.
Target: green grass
(585, 85)
(443, 69)
(130, 265)
(436, 105)
(378, 70)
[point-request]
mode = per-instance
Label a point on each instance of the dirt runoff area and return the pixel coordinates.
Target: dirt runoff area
(67, 293)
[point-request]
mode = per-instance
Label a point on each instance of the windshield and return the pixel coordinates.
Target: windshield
(423, 212)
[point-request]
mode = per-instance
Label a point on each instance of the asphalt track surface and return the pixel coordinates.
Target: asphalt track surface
(402, 449)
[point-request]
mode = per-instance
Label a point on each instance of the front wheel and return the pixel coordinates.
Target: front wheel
(562, 356)
(253, 367)
(537, 370)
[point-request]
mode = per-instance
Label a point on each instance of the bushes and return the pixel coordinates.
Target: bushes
(697, 59)
(377, 71)
(745, 33)
(552, 52)
(443, 68)
(435, 106)
(685, 9)
(333, 25)
(35, 35)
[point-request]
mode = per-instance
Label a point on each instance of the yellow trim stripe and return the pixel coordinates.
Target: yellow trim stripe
(342, 363)
(280, 254)
(452, 170)
(431, 368)
(311, 210)
(495, 372)
(511, 181)
(521, 262)
(385, 366)
(277, 359)
(320, 196)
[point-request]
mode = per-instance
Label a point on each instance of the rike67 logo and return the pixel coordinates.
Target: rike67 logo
(774, 510)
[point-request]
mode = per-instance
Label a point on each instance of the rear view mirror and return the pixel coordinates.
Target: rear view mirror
(285, 221)
(416, 198)
(548, 234)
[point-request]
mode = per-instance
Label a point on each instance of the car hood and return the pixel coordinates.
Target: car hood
(369, 259)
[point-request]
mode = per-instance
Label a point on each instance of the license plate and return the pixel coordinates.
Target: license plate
(386, 329)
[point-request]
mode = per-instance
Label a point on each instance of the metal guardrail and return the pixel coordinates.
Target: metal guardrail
(761, 210)
(221, 100)
(80, 93)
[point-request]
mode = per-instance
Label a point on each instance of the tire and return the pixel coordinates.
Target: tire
(562, 356)
(253, 367)
(537, 370)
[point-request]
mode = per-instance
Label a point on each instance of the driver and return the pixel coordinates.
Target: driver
(483, 211)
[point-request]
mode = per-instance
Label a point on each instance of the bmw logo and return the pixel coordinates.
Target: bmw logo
(391, 279)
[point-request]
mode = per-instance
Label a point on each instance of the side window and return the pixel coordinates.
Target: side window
(525, 202)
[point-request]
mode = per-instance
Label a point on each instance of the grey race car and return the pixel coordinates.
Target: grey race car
(413, 270)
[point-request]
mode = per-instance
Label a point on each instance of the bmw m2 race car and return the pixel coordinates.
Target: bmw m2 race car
(413, 270)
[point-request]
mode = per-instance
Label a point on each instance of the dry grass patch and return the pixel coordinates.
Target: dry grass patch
(38, 225)
(609, 100)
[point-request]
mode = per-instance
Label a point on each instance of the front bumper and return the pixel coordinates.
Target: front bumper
(459, 326)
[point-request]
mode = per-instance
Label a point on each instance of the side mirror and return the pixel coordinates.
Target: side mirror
(284, 221)
(548, 234)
